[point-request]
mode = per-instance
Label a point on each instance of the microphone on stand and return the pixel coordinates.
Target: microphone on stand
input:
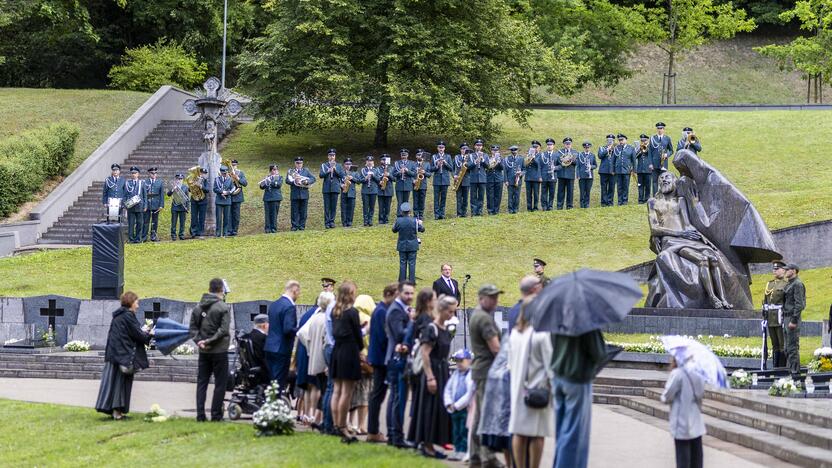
(464, 314)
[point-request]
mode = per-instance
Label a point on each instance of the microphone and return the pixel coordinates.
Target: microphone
(467, 277)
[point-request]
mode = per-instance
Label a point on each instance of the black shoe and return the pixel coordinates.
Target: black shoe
(181, 237)
(347, 439)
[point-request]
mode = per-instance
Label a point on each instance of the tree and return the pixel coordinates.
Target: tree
(147, 68)
(447, 66)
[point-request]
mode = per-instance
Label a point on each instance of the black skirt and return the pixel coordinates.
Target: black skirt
(346, 361)
(432, 423)
(115, 389)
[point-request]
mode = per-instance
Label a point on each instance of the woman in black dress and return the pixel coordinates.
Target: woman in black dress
(346, 360)
(422, 315)
(124, 355)
(433, 423)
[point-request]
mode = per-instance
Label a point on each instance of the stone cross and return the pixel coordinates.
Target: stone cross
(156, 313)
(51, 312)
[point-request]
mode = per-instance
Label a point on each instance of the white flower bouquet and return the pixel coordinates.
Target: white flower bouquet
(184, 350)
(740, 379)
(77, 346)
(784, 387)
(656, 346)
(821, 361)
(275, 416)
(156, 414)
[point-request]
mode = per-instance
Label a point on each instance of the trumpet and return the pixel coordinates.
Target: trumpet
(494, 161)
(643, 147)
(529, 157)
(297, 179)
(266, 181)
(439, 162)
(691, 138)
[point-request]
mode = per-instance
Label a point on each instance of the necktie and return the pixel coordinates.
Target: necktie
(450, 285)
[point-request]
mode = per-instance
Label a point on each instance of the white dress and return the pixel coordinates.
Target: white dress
(530, 366)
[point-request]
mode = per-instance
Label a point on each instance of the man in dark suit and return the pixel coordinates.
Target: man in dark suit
(258, 344)
(282, 327)
(376, 357)
(408, 243)
(395, 326)
(445, 284)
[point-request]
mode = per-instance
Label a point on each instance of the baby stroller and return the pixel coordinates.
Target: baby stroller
(249, 385)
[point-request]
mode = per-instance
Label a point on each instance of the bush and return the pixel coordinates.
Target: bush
(148, 67)
(28, 159)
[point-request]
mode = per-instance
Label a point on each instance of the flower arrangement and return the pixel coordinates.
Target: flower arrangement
(740, 379)
(77, 346)
(654, 345)
(275, 416)
(784, 387)
(12, 341)
(184, 350)
(156, 414)
(821, 361)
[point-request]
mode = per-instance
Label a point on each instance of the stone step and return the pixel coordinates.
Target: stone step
(92, 375)
(793, 409)
(627, 382)
(617, 390)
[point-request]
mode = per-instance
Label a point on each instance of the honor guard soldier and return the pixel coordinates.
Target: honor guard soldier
(408, 229)
(661, 147)
(606, 171)
(348, 194)
(238, 177)
(272, 196)
(403, 173)
(332, 176)
(689, 141)
(113, 186)
(624, 161)
(199, 208)
(794, 301)
(155, 190)
(463, 186)
(420, 189)
(478, 177)
(223, 186)
(299, 179)
(566, 174)
(531, 168)
(442, 167)
(513, 175)
(586, 164)
(369, 178)
(644, 169)
(773, 299)
(179, 206)
(385, 189)
(548, 160)
(135, 200)
(539, 267)
(494, 181)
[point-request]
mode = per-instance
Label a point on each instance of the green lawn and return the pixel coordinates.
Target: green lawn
(56, 435)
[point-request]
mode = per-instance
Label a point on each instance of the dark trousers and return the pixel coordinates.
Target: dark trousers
(462, 201)
(622, 181)
(397, 401)
(513, 204)
(150, 223)
(384, 208)
(177, 218)
(402, 196)
(368, 208)
(209, 364)
(198, 212)
(547, 194)
(477, 197)
(494, 192)
(377, 395)
(279, 367)
(792, 338)
(440, 195)
(330, 207)
(689, 453)
(347, 210)
(135, 220)
(235, 217)
(459, 431)
(407, 266)
(643, 187)
(584, 189)
(419, 197)
(607, 188)
(532, 195)
(566, 189)
(299, 208)
(272, 209)
(222, 215)
(326, 399)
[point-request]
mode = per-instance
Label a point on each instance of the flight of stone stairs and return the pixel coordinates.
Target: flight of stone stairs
(88, 365)
(173, 146)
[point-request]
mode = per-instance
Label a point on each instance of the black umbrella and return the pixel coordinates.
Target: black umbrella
(169, 334)
(583, 301)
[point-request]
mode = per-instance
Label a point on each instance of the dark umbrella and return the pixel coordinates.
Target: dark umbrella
(583, 301)
(169, 334)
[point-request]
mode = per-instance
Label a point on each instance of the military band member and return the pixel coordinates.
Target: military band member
(178, 211)
(299, 179)
(463, 159)
(548, 178)
(565, 165)
(606, 170)
(644, 169)
(794, 301)
(113, 186)
(494, 181)
(478, 177)
(539, 267)
(386, 188)
(222, 202)
(369, 178)
(773, 299)
(661, 147)
(585, 166)
(272, 196)
(155, 190)
(135, 199)
(404, 171)
(689, 141)
(513, 175)
(420, 196)
(624, 161)
(348, 197)
(199, 208)
(408, 229)
(332, 175)
(442, 168)
(238, 198)
(531, 168)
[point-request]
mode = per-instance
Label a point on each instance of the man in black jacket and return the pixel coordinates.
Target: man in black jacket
(258, 343)
(210, 322)
(445, 284)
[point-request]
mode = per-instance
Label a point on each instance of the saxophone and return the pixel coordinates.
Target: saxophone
(420, 177)
(195, 184)
(347, 182)
(462, 171)
(235, 179)
(384, 179)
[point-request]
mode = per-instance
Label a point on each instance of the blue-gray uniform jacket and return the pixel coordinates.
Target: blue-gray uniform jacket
(300, 193)
(625, 159)
(511, 165)
(459, 161)
(585, 164)
(643, 162)
(239, 198)
(369, 179)
(532, 170)
(696, 147)
(271, 188)
(477, 171)
(350, 191)
(407, 228)
(223, 184)
(443, 176)
(404, 180)
(566, 172)
(547, 163)
(426, 166)
(113, 188)
(176, 206)
(155, 194)
(133, 188)
(331, 184)
(658, 146)
(494, 175)
(390, 188)
(606, 166)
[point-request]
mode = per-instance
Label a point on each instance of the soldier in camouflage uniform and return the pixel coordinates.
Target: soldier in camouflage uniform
(772, 313)
(794, 302)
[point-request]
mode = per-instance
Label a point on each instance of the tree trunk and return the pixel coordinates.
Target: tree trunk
(670, 96)
(382, 124)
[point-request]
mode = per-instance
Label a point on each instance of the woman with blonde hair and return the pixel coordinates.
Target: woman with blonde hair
(313, 336)
(345, 366)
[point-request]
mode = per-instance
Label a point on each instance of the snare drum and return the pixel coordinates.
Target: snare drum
(132, 201)
(113, 209)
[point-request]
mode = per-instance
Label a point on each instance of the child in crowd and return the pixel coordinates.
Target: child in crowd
(458, 393)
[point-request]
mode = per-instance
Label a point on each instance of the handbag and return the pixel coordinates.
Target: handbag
(127, 370)
(535, 397)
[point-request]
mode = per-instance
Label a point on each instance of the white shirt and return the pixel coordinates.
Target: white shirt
(450, 284)
(290, 299)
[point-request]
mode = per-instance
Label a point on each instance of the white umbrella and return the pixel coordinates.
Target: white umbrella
(698, 358)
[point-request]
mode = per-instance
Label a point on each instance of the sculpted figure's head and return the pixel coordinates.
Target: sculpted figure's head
(667, 182)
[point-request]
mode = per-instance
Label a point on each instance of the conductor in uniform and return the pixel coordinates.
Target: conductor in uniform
(606, 172)
(155, 189)
(369, 178)
(135, 214)
(773, 299)
(689, 141)
(531, 168)
(272, 196)
(660, 149)
(624, 161)
(565, 165)
(585, 166)
(442, 168)
(332, 175)
(299, 179)
(178, 211)
(513, 175)
(408, 243)
(237, 199)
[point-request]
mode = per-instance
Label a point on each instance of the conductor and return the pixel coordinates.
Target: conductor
(408, 243)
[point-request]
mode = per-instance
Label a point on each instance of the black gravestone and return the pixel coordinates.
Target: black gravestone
(41, 312)
(154, 308)
(244, 313)
(107, 261)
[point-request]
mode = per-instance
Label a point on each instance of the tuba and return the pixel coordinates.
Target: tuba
(235, 179)
(567, 159)
(178, 195)
(192, 180)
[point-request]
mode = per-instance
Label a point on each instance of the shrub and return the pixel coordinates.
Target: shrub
(148, 67)
(29, 158)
